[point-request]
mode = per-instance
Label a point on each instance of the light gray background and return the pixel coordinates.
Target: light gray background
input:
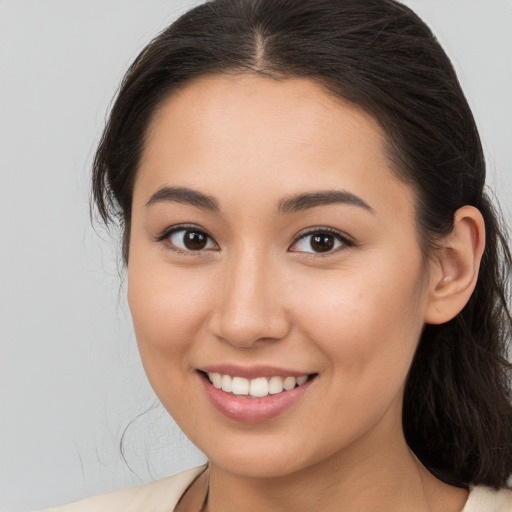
(70, 377)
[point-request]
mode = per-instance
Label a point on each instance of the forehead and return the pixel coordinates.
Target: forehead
(296, 109)
(251, 133)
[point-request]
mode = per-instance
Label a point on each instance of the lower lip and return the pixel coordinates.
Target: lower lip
(253, 410)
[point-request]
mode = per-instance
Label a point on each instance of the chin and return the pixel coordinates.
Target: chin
(263, 457)
(257, 468)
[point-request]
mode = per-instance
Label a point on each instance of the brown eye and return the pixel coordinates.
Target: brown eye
(194, 240)
(320, 241)
(191, 240)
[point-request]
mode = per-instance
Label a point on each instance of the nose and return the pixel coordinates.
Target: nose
(249, 306)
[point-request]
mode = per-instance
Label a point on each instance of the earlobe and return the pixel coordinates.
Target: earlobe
(455, 266)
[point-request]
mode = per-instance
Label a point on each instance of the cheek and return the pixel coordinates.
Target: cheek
(368, 323)
(166, 307)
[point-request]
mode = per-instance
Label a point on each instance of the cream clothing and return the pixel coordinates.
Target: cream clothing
(159, 496)
(163, 495)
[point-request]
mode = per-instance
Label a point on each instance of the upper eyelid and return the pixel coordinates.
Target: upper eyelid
(165, 235)
(303, 233)
(182, 227)
(322, 229)
(345, 241)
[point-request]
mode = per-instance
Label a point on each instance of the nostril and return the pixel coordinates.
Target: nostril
(249, 333)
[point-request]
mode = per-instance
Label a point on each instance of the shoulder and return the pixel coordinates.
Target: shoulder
(485, 499)
(159, 496)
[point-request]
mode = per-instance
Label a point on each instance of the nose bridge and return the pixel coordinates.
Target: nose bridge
(248, 307)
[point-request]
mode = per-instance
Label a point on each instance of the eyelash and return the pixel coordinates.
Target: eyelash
(164, 237)
(321, 230)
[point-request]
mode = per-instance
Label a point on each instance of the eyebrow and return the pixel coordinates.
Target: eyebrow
(289, 205)
(184, 195)
(321, 198)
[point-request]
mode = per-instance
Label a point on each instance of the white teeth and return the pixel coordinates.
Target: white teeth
(216, 379)
(257, 388)
(240, 386)
(275, 385)
(289, 383)
(227, 383)
(301, 380)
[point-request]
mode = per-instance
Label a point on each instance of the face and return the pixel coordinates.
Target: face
(275, 277)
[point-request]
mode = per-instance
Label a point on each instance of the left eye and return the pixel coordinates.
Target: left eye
(319, 242)
(191, 240)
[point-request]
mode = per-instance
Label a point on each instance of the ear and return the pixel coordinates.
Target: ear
(454, 266)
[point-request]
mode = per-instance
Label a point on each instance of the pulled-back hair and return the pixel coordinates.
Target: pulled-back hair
(457, 414)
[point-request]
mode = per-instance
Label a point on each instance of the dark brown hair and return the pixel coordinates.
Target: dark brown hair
(378, 54)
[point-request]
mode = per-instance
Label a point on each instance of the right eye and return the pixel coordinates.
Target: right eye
(189, 240)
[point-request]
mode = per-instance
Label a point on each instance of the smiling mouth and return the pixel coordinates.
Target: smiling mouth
(259, 387)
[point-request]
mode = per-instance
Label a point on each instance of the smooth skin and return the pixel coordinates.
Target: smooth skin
(257, 291)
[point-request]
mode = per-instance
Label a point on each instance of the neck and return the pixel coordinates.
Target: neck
(385, 478)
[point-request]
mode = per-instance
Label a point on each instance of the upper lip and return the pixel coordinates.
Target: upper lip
(251, 372)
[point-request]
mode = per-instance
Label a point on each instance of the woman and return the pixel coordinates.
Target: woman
(316, 276)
